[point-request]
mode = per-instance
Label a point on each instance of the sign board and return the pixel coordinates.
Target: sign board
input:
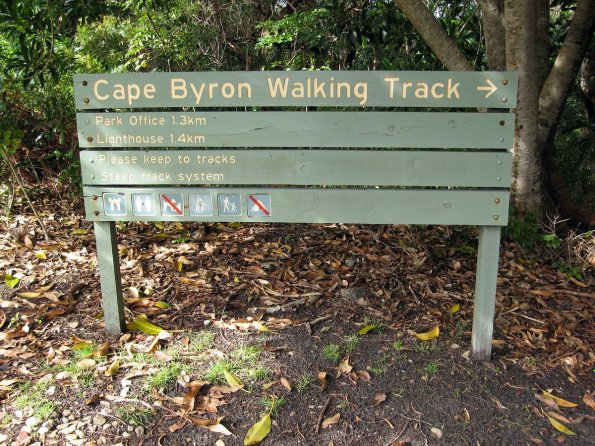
(401, 89)
(370, 147)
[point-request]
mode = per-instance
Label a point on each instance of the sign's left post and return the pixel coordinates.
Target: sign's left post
(109, 276)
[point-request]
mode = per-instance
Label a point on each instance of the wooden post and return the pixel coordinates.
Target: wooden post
(109, 276)
(485, 292)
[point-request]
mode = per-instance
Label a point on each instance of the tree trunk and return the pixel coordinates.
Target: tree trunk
(492, 17)
(527, 185)
(526, 48)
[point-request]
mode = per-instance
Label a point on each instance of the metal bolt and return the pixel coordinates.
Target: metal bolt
(94, 198)
(501, 122)
(501, 139)
(93, 161)
(498, 179)
(496, 217)
(87, 121)
(96, 213)
(499, 162)
(92, 177)
(504, 99)
(497, 201)
(90, 139)
(504, 81)
(85, 83)
(86, 100)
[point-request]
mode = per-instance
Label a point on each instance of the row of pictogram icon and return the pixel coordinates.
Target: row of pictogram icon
(174, 205)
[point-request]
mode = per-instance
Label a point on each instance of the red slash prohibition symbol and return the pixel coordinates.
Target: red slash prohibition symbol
(172, 204)
(260, 205)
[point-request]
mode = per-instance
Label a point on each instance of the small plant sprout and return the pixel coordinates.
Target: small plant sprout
(431, 368)
(273, 403)
(331, 352)
(304, 382)
(201, 341)
(133, 415)
(398, 345)
(351, 343)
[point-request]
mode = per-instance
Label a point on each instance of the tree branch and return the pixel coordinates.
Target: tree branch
(554, 91)
(430, 29)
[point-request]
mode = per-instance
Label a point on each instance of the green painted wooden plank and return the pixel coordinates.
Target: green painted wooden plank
(297, 129)
(300, 205)
(484, 304)
(296, 167)
(109, 276)
(297, 88)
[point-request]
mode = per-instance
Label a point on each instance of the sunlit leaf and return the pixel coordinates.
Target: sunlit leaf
(259, 431)
(113, 368)
(162, 304)
(559, 401)
(330, 421)
(559, 426)
(86, 364)
(28, 242)
(80, 231)
(82, 345)
(141, 323)
(231, 379)
(29, 294)
(11, 281)
(455, 308)
(367, 329)
(260, 327)
(433, 334)
(40, 255)
(344, 367)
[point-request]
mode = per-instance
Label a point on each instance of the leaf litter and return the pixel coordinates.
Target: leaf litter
(289, 289)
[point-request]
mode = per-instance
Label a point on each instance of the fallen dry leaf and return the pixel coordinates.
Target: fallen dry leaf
(589, 400)
(559, 401)
(378, 398)
(322, 380)
(330, 421)
(285, 382)
(344, 367)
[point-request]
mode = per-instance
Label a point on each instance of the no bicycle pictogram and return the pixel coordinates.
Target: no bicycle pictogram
(259, 205)
(172, 204)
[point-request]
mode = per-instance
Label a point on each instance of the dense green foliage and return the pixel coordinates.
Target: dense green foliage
(43, 43)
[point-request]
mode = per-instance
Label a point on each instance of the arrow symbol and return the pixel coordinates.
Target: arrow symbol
(490, 88)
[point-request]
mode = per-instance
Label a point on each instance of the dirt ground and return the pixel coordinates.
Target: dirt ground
(314, 325)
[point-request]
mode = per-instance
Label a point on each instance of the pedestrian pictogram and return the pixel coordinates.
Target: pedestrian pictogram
(259, 205)
(229, 204)
(201, 205)
(143, 204)
(114, 203)
(172, 204)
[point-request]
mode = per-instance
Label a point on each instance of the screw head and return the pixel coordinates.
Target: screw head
(497, 201)
(504, 99)
(85, 83)
(86, 100)
(504, 81)
(90, 139)
(496, 217)
(96, 213)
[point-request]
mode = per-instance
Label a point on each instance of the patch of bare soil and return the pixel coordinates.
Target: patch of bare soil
(312, 325)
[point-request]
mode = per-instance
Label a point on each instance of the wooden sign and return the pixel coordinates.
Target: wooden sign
(328, 147)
